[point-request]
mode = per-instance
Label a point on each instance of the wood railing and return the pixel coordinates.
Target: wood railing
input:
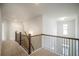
(19, 40)
(73, 43)
(72, 49)
(55, 36)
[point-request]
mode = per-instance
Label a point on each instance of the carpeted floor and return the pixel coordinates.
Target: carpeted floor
(12, 48)
(43, 52)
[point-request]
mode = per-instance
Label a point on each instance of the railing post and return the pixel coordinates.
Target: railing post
(20, 38)
(15, 36)
(29, 43)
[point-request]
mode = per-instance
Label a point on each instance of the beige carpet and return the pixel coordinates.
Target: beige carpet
(43, 52)
(12, 48)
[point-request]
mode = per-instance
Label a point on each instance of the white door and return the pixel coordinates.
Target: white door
(65, 28)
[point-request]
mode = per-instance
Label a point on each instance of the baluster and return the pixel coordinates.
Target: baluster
(64, 47)
(49, 41)
(69, 47)
(75, 47)
(54, 44)
(72, 47)
(78, 47)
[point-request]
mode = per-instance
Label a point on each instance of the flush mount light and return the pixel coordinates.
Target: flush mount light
(36, 4)
(15, 20)
(63, 18)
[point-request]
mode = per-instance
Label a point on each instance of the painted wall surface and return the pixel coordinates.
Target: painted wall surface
(0, 30)
(17, 19)
(55, 12)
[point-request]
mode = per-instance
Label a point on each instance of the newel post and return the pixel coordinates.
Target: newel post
(20, 38)
(29, 37)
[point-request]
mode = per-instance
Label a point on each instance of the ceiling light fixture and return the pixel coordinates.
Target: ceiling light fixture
(63, 18)
(36, 4)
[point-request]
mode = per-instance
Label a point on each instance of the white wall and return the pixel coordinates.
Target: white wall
(16, 16)
(35, 25)
(77, 27)
(0, 30)
(51, 17)
(56, 11)
(49, 24)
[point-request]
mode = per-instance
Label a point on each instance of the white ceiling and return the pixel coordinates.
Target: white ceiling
(31, 9)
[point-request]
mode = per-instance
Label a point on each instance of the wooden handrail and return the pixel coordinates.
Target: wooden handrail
(55, 36)
(36, 35)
